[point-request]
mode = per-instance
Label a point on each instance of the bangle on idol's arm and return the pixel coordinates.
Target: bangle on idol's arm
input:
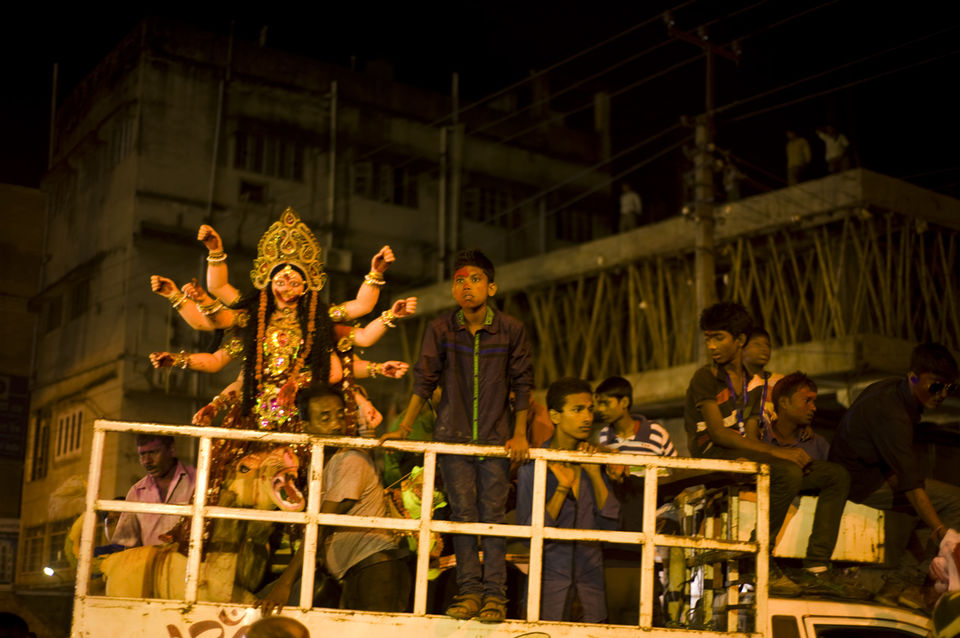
(374, 278)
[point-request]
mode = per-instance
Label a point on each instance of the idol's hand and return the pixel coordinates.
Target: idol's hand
(204, 415)
(394, 369)
(162, 286)
(210, 238)
(161, 359)
(404, 307)
(196, 293)
(382, 260)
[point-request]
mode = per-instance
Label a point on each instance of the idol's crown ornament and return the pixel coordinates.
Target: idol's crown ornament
(289, 241)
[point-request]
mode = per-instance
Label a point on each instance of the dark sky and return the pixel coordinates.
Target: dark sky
(884, 76)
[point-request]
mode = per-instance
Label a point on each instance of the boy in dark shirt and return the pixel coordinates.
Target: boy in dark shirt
(875, 443)
(478, 355)
(721, 419)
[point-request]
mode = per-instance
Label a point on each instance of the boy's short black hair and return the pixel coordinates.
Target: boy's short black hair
(788, 386)
(475, 258)
(758, 331)
(560, 389)
(935, 359)
(728, 316)
(617, 387)
(144, 438)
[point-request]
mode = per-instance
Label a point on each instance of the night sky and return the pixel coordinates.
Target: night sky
(883, 76)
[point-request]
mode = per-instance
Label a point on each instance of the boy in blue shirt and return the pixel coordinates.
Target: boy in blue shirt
(576, 495)
(478, 356)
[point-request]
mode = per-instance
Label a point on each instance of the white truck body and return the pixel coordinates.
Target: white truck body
(99, 616)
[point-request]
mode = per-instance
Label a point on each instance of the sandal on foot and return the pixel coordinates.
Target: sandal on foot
(494, 609)
(464, 607)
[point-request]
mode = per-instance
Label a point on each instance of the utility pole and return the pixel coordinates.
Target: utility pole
(456, 164)
(703, 209)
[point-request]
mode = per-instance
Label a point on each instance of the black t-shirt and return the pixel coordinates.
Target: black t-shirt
(875, 439)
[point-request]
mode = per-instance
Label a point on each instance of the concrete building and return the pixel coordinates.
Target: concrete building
(21, 217)
(176, 128)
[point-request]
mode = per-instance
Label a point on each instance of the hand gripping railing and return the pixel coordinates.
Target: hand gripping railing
(536, 532)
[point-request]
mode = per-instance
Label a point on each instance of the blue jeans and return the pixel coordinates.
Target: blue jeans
(477, 491)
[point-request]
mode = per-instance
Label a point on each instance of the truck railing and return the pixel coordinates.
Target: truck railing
(536, 532)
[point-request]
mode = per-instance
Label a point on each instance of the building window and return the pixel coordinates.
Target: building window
(120, 138)
(69, 428)
(33, 548)
(386, 183)
(6, 560)
(491, 206)
(574, 225)
(41, 449)
(269, 155)
(252, 192)
(58, 538)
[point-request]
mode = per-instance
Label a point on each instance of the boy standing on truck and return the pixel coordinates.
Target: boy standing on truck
(721, 419)
(478, 355)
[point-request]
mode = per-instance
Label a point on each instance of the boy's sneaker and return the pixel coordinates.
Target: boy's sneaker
(779, 584)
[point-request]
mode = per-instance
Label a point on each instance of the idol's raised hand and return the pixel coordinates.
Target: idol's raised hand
(210, 238)
(382, 260)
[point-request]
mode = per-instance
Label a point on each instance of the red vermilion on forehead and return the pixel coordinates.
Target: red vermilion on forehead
(466, 271)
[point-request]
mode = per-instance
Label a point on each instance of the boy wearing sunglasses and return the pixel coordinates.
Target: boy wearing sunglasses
(875, 444)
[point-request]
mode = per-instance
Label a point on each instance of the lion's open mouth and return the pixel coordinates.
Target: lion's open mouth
(285, 493)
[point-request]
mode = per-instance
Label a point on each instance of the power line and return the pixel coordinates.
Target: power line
(842, 86)
(572, 86)
(537, 74)
(845, 65)
(784, 21)
(613, 94)
(605, 183)
(539, 194)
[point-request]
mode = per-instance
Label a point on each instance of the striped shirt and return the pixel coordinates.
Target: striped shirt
(649, 437)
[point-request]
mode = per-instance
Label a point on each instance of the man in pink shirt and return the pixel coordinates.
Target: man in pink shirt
(167, 481)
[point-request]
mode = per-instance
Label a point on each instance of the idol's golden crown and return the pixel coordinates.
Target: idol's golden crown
(289, 241)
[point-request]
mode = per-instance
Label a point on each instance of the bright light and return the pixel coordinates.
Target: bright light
(48, 571)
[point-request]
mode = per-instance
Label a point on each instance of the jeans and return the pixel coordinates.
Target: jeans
(901, 520)
(477, 490)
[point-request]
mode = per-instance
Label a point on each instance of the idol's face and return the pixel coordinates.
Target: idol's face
(287, 286)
